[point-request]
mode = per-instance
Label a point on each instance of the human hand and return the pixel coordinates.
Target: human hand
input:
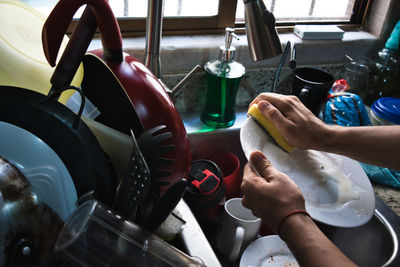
(296, 123)
(269, 193)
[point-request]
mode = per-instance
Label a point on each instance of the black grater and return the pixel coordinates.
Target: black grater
(134, 185)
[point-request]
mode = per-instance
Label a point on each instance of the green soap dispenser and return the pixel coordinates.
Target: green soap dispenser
(223, 79)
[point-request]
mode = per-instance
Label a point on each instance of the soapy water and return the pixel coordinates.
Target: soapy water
(326, 170)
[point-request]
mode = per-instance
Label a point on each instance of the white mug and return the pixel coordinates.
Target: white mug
(239, 227)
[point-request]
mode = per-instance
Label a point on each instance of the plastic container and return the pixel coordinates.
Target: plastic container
(23, 63)
(386, 111)
(96, 236)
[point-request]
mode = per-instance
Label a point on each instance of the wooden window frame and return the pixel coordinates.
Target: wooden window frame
(132, 27)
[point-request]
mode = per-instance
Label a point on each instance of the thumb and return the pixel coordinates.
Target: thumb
(261, 165)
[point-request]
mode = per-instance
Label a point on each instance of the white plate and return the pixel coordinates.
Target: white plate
(268, 251)
(336, 189)
(42, 167)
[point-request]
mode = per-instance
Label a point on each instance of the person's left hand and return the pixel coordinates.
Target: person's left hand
(269, 193)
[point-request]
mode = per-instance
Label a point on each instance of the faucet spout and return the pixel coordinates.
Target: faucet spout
(152, 50)
(153, 36)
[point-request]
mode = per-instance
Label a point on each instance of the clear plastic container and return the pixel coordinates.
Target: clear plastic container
(96, 236)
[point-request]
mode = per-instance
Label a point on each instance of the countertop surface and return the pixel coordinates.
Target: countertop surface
(390, 196)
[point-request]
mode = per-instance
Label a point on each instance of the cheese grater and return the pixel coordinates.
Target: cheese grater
(134, 185)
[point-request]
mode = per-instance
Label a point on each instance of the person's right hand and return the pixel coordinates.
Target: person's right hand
(296, 123)
(269, 193)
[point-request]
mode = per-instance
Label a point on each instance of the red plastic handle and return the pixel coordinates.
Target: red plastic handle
(61, 16)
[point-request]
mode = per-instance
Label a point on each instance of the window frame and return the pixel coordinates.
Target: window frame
(134, 27)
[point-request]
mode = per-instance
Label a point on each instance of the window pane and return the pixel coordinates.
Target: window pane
(190, 8)
(292, 9)
(328, 8)
(300, 10)
(138, 8)
(43, 6)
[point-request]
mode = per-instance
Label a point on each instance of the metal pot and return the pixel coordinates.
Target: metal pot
(29, 228)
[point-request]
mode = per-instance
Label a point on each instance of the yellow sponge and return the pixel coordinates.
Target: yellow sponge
(255, 113)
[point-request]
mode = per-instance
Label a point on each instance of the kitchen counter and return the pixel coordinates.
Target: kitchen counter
(390, 196)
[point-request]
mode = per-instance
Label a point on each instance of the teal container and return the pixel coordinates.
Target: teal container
(223, 79)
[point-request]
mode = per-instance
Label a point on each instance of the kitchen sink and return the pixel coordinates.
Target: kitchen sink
(373, 244)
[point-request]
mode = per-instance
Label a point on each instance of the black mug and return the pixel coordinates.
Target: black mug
(311, 86)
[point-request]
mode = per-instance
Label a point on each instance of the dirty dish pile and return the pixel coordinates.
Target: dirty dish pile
(127, 94)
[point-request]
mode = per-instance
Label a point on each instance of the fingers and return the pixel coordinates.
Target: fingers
(261, 165)
(284, 103)
(272, 113)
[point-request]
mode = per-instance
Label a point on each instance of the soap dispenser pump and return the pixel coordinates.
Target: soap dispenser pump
(223, 79)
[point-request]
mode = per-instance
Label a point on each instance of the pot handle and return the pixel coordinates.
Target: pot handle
(73, 53)
(60, 17)
(83, 100)
(304, 93)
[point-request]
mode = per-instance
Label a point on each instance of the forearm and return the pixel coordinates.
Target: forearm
(377, 145)
(309, 245)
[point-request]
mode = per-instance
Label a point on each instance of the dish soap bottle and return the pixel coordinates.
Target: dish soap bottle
(223, 79)
(385, 72)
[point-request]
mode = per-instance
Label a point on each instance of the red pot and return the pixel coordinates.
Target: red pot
(139, 92)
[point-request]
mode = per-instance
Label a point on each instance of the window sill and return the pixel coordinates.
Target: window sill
(200, 49)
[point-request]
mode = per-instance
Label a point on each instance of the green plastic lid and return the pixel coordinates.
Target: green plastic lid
(393, 41)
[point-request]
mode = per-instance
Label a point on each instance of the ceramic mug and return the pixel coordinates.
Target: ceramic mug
(311, 86)
(239, 227)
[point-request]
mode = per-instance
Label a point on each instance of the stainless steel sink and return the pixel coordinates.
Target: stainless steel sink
(373, 244)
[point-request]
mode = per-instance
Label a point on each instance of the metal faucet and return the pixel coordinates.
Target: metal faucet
(153, 36)
(262, 37)
(152, 50)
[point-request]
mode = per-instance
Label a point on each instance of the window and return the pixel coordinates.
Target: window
(306, 10)
(211, 16)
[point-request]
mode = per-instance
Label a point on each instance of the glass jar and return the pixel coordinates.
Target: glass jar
(357, 74)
